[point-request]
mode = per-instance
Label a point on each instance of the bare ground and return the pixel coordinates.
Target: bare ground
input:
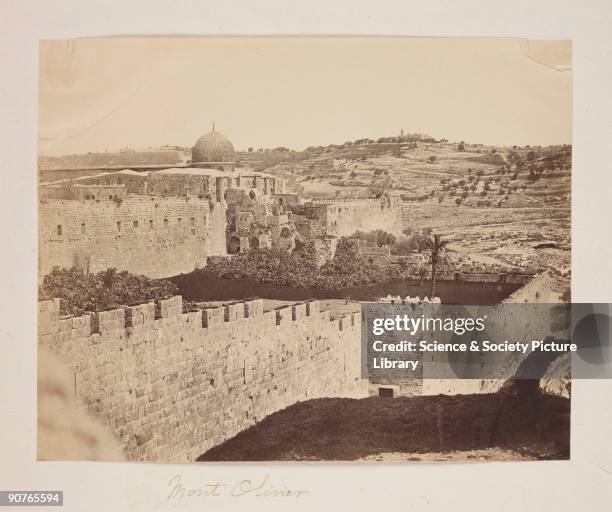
(462, 427)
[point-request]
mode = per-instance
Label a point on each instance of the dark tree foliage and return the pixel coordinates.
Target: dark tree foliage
(96, 292)
(377, 237)
(414, 241)
(299, 268)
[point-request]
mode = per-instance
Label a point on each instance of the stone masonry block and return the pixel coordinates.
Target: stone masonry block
(312, 308)
(213, 316)
(48, 322)
(233, 312)
(140, 315)
(171, 307)
(283, 316)
(77, 321)
(111, 320)
(299, 312)
(253, 308)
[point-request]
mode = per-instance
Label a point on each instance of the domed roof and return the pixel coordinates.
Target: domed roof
(212, 147)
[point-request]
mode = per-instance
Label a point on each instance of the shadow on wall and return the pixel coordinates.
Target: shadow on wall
(65, 432)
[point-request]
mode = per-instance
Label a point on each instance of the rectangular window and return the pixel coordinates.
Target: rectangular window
(135, 224)
(165, 223)
(385, 392)
(118, 225)
(59, 230)
(193, 221)
(151, 224)
(179, 221)
(82, 228)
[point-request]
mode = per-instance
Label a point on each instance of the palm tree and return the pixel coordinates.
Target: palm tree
(436, 246)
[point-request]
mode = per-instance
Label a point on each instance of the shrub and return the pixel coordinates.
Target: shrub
(413, 241)
(82, 292)
(299, 268)
(378, 237)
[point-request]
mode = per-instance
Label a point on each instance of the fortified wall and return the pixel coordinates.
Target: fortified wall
(180, 181)
(538, 290)
(171, 385)
(158, 237)
(531, 327)
(501, 320)
(342, 217)
(159, 223)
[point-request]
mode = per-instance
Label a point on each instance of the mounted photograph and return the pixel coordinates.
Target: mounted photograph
(217, 216)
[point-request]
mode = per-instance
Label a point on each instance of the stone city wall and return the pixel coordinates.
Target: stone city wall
(343, 217)
(157, 237)
(537, 290)
(510, 277)
(365, 202)
(164, 184)
(151, 183)
(171, 385)
(532, 326)
(78, 191)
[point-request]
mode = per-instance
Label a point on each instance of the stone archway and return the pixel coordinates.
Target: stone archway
(254, 242)
(233, 245)
(300, 245)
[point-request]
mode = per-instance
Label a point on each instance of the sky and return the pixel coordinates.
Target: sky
(107, 93)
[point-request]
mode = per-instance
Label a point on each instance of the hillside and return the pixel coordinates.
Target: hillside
(165, 155)
(497, 205)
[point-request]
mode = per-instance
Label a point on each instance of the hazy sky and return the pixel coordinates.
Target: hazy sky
(98, 94)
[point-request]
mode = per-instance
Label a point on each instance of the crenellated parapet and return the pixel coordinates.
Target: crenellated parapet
(367, 201)
(172, 384)
(171, 310)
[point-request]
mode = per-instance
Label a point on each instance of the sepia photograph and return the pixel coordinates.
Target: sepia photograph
(217, 214)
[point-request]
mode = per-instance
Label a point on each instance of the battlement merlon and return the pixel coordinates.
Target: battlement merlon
(367, 201)
(170, 310)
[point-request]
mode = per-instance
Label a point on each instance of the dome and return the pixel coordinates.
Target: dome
(212, 147)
